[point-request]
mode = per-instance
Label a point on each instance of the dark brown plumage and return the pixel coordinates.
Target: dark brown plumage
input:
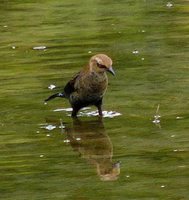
(89, 85)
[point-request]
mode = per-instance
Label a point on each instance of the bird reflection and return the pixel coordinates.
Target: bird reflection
(94, 145)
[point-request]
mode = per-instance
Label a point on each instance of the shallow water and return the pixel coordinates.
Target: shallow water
(141, 154)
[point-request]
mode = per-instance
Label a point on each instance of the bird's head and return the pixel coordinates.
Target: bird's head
(101, 63)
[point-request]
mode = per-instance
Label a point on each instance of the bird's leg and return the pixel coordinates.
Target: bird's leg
(100, 110)
(74, 112)
(99, 106)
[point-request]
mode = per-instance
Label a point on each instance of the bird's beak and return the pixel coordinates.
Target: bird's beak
(110, 69)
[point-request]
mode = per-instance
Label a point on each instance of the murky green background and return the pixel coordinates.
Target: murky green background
(148, 42)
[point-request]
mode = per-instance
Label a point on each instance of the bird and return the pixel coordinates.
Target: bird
(87, 87)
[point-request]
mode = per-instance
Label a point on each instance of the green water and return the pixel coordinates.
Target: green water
(148, 42)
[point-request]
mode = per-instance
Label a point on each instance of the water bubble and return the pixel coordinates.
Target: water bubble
(142, 58)
(41, 156)
(172, 136)
(156, 121)
(39, 48)
(89, 51)
(78, 139)
(5, 26)
(61, 126)
(49, 127)
(169, 4)
(13, 47)
(51, 87)
(67, 141)
(157, 116)
(162, 186)
(135, 52)
(179, 117)
(63, 109)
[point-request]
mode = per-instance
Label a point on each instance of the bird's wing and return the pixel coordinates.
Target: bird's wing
(70, 86)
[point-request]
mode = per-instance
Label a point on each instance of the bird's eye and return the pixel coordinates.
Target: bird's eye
(100, 65)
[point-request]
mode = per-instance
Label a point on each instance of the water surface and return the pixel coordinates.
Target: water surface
(148, 42)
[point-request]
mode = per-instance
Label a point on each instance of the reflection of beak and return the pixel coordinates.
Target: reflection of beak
(113, 174)
(110, 69)
(116, 168)
(117, 164)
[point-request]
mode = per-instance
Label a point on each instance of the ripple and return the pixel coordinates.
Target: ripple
(39, 48)
(85, 113)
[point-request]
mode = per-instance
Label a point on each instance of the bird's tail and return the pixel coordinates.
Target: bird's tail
(54, 96)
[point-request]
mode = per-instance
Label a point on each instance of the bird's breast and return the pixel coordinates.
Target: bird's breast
(93, 85)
